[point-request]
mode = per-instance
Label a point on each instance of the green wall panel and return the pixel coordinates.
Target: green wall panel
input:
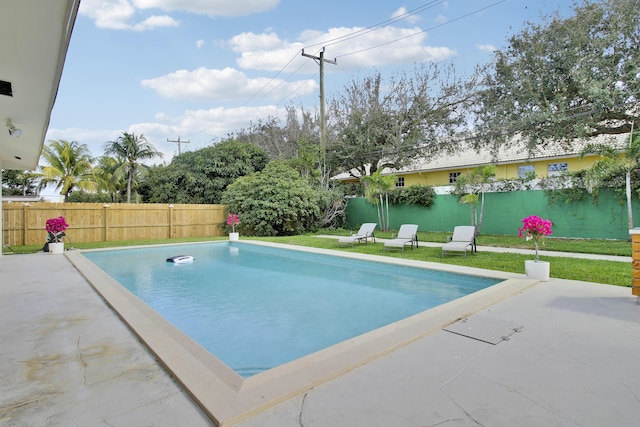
(504, 212)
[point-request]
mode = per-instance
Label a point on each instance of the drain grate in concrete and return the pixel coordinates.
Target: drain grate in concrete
(484, 329)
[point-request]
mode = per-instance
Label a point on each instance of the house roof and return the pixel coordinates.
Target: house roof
(34, 39)
(516, 152)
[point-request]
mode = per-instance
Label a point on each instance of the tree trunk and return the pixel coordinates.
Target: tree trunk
(479, 227)
(386, 196)
(380, 219)
(629, 206)
(383, 224)
(129, 181)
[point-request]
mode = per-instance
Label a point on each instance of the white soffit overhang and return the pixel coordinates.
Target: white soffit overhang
(34, 39)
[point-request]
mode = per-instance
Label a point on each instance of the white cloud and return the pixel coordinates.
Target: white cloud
(486, 47)
(412, 19)
(95, 139)
(266, 51)
(248, 41)
(123, 14)
(155, 22)
(385, 46)
(223, 85)
(221, 121)
(211, 8)
(200, 127)
(118, 14)
(200, 43)
(441, 19)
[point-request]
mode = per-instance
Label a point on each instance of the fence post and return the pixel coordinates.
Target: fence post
(106, 222)
(170, 221)
(25, 222)
(635, 266)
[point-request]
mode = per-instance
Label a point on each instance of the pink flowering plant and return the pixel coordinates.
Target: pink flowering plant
(535, 228)
(55, 227)
(232, 221)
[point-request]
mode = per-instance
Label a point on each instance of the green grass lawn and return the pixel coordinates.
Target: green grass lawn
(608, 272)
(585, 246)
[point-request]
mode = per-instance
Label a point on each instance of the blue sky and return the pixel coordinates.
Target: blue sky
(201, 69)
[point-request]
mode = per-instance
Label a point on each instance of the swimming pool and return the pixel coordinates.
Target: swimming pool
(257, 307)
(226, 396)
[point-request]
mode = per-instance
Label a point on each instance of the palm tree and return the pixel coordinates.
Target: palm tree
(472, 199)
(131, 150)
(110, 177)
(476, 182)
(611, 162)
(484, 176)
(69, 166)
(377, 186)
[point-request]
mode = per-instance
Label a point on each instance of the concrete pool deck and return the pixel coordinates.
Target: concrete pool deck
(69, 360)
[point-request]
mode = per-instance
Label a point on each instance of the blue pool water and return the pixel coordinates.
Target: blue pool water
(257, 307)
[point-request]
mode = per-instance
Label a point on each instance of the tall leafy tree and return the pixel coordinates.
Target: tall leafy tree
(376, 125)
(612, 162)
(565, 78)
(132, 150)
(69, 166)
(280, 137)
(309, 163)
(202, 176)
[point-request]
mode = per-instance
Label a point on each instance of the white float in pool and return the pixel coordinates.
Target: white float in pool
(181, 259)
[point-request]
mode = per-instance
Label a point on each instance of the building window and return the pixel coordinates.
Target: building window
(453, 177)
(400, 181)
(526, 171)
(556, 169)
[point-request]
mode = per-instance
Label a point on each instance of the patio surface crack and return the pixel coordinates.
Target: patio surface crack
(84, 363)
(450, 380)
(300, 422)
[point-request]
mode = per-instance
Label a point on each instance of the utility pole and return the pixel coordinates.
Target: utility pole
(178, 142)
(320, 60)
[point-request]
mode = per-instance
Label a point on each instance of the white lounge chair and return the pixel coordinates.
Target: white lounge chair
(407, 235)
(363, 235)
(463, 239)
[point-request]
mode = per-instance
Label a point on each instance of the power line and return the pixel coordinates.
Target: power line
(379, 25)
(295, 55)
(346, 37)
(422, 31)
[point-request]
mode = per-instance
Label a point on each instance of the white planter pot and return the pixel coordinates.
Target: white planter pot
(537, 270)
(234, 236)
(56, 248)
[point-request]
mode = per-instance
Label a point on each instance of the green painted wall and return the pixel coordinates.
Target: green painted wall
(504, 212)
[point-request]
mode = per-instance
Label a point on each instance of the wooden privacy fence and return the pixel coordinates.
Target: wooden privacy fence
(24, 223)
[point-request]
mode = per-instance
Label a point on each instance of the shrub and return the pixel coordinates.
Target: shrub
(274, 202)
(423, 195)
